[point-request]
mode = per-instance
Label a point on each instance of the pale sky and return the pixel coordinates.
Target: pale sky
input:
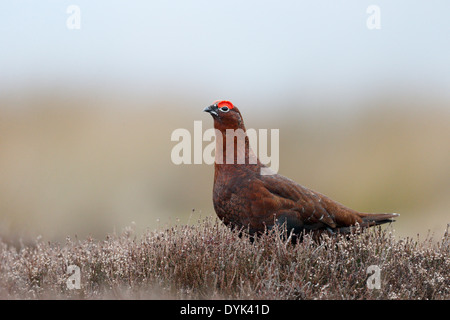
(238, 47)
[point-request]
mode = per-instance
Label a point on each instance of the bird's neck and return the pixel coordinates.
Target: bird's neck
(233, 150)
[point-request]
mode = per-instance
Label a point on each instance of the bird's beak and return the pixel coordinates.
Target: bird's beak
(212, 109)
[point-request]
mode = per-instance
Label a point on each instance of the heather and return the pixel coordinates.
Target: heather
(209, 261)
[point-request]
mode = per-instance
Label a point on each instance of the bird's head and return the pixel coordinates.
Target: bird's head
(225, 115)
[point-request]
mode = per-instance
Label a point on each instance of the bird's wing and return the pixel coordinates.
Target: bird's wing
(299, 204)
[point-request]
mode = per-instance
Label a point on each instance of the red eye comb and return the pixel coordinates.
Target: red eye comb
(223, 103)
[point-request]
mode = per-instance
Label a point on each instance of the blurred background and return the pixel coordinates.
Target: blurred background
(89, 99)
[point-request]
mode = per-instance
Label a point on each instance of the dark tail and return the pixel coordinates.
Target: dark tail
(374, 219)
(370, 220)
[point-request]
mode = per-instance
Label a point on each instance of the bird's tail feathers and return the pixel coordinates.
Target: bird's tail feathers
(374, 219)
(369, 220)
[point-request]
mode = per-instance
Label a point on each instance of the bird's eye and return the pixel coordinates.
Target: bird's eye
(224, 109)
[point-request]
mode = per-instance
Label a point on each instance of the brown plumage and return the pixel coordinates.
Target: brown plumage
(246, 199)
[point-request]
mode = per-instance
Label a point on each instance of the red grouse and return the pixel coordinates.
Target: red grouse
(245, 198)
